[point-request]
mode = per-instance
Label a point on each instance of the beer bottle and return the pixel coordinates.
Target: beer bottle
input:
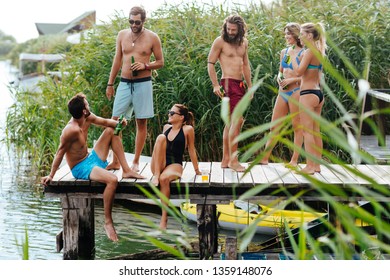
(281, 78)
(135, 72)
(119, 126)
(222, 91)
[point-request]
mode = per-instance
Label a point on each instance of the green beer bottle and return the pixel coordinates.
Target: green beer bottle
(135, 73)
(222, 91)
(119, 126)
(282, 77)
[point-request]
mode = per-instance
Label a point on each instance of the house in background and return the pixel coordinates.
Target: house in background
(83, 22)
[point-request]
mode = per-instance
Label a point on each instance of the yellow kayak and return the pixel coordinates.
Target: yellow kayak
(240, 214)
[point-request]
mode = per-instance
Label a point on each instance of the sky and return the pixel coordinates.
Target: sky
(18, 17)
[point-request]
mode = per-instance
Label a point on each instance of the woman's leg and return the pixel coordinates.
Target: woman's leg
(296, 124)
(170, 173)
(158, 160)
(317, 136)
(280, 110)
(308, 102)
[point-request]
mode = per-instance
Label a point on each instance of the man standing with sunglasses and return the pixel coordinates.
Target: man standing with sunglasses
(134, 48)
(231, 50)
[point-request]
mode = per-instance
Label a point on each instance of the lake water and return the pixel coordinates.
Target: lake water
(24, 208)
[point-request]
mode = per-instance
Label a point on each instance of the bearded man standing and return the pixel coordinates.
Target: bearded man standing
(231, 50)
(134, 48)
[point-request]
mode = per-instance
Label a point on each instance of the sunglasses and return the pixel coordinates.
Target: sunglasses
(171, 113)
(136, 22)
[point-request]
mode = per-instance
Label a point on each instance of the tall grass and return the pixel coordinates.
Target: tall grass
(358, 36)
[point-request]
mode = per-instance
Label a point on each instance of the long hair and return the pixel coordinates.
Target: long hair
(318, 31)
(239, 21)
(188, 116)
(294, 28)
(76, 105)
(137, 10)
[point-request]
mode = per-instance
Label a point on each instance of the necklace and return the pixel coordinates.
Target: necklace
(133, 41)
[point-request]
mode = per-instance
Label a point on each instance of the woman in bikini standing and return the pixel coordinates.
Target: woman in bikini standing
(289, 89)
(167, 158)
(312, 98)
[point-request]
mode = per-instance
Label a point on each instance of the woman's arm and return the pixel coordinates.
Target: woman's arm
(190, 137)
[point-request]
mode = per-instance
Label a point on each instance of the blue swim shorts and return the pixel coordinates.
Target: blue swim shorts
(83, 169)
(134, 95)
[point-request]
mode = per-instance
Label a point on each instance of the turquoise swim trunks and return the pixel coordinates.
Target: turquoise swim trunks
(83, 169)
(134, 95)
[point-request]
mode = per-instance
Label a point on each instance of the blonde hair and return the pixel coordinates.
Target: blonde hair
(318, 31)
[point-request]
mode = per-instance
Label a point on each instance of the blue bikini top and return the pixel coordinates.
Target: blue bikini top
(286, 60)
(312, 66)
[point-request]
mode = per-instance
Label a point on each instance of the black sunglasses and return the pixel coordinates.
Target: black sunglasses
(171, 113)
(136, 22)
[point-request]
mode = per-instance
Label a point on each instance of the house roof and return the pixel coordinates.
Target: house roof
(80, 23)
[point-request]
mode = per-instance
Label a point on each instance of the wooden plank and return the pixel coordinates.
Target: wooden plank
(285, 174)
(379, 95)
(341, 173)
(147, 173)
(359, 179)
(216, 176)
(230, 177)
(245, 179)
(372, 173)
(330, 176)
(142, 167)
(258, 175)
(381, 172)
(61, 172)
(271, 174)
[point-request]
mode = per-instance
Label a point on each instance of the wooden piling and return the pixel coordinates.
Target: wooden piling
(207, 229)
(79, 228)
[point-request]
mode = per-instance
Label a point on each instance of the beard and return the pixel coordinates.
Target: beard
(137, 29)
(232, 39)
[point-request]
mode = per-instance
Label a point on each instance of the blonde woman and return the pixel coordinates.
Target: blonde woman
(311, 98)
(168, 151)
(289, 88)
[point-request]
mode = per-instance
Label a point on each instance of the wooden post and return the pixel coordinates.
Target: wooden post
(78, 228)
(207, 230)
(231, 248)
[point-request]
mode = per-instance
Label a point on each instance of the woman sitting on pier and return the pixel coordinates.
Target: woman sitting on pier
(168, 151)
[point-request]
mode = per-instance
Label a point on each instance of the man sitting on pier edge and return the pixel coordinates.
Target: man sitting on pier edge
(91, 166)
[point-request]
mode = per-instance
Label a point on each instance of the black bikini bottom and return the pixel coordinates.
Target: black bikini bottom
(317, 92)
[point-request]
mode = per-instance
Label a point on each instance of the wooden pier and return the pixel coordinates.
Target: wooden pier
(275, 181)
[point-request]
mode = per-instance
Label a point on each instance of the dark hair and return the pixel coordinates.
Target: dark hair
(239, 21)
(76, 105)
(137, 10)
(294, 28)
(188, 116)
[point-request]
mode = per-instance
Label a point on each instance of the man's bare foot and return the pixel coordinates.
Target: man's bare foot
(155, 180)
(308, 170)
(132, 174)
(111, 233)
(135, 167)
(113, 166)
(224, 163)
(237, 167)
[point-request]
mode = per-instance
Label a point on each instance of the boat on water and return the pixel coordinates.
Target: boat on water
(239, 214)
(32, 70)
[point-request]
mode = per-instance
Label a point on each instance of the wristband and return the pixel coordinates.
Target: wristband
(110, 85)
